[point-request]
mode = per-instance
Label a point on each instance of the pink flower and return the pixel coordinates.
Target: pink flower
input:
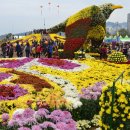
(67, 114)
(24, 128)
(41, 113)
(61, 126)
(5, 117)
(92, 92)
(36, 127)
(12, 123)
(48, 124)
(30, 121)
(18, 116)
(28, 113)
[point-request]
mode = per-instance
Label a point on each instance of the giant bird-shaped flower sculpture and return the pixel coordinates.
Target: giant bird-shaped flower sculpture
(87, 24)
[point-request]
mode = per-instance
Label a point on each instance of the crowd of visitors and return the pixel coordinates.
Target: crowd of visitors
(106, 49)
(45, 48)
(49, 48)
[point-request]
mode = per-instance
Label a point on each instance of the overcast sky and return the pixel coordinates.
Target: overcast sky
(24, 15)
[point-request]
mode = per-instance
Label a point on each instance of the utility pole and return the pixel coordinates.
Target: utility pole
(41, 14)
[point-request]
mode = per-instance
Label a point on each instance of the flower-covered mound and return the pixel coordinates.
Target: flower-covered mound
(28, 38)
(117, 57)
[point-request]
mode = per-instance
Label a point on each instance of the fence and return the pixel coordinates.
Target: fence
(113, 96)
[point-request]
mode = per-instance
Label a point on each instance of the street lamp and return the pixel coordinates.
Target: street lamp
(42, 15)
(117, 25)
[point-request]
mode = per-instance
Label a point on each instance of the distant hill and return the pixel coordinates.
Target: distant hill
(22, 34)
(17, 34)
(3, 36)
(120, 25)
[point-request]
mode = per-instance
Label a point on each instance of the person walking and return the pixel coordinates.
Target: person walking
(22, 49)
(7, 48)
(34, 51)
(3, 48)
(11, 51)
(125, 50)
(128, 53)
(18, 49)
(103, 52)
(50, 50)
(45, 44)
(38, 51)
(27, 49)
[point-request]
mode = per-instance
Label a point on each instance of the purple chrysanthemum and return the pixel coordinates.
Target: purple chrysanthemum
(41, 113)
(5, 117)
(12, 123)
(92, 92)
(48, 124)
(36, 127)
(24, 128)
(28, 113)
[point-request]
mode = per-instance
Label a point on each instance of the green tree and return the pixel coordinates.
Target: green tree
(108, 34)
(9, 36)
(123, 32)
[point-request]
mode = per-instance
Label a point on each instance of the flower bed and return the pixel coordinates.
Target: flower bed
(41, 119)
(62, 64)
(14, 63)
(55, 86)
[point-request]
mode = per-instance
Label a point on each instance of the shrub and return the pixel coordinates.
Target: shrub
(87, 110)
(90, 102)
(121, 109)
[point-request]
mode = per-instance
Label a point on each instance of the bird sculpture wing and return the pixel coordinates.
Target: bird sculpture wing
(77, 28)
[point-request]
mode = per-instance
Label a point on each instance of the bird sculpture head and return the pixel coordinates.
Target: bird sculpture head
(107, 9)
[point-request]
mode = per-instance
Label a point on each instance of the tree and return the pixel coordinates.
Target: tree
(108, 34)
(9, 36)
(123, 32)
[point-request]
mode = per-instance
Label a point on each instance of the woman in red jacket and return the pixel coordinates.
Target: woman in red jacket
(38, 51)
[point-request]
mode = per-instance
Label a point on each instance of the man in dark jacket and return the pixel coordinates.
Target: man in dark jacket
(3, 47)
(11, 51)
(18, 49)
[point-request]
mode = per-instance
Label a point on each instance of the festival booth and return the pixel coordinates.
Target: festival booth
(118, 39)
(112, 39)
(126, 39)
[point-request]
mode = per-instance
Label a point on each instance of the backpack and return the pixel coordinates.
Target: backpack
(27, 48)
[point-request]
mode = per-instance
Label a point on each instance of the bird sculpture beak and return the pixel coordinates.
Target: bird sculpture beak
(117, 7)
